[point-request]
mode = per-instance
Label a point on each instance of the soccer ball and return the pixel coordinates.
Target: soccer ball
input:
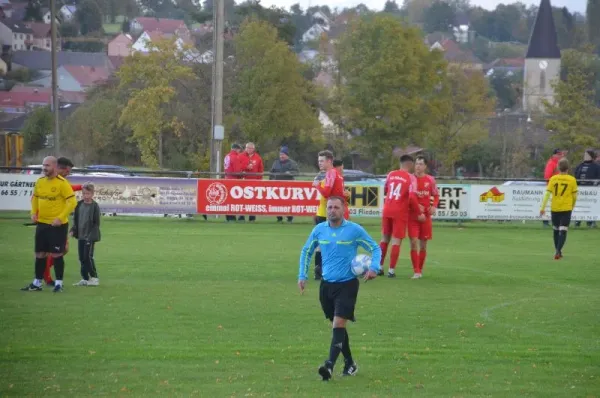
(360, 264)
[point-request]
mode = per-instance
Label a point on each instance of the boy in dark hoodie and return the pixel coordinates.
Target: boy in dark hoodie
(86, 229)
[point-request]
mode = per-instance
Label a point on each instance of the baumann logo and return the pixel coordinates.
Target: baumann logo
(493, 194)
(216, 193)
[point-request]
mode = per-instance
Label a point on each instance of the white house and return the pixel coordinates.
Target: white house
(142, 45)
(319, 16)
(314, 32)
(16, 34)
(48, 19)
(67, 12)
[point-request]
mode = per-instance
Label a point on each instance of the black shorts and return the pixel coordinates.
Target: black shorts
(49, 239)
(339, 299)
(319, 220)
(561, 218)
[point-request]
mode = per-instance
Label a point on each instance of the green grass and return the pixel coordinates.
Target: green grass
(193, 308)
(112, 28)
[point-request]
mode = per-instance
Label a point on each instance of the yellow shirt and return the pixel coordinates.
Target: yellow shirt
(52, 199)
(563, 188)
(322, 210)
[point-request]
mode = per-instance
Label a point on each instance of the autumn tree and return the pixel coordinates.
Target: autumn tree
(149, 79)
(575, 117)
(391, 84)
(37, 127)
(463, 117)
(271, 99)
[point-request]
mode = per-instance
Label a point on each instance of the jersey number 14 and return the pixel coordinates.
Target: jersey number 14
(395, 191)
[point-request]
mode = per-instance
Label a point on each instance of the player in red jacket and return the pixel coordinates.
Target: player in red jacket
(231, 165)
(64, 170)
(251, 163)
(552, 169)
(399, 197)
(420, 232)
(339, 166)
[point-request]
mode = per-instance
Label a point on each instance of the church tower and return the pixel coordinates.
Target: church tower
(542, 61)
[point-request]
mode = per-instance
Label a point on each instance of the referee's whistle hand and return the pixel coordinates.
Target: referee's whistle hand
(34, 218)
(301, 286)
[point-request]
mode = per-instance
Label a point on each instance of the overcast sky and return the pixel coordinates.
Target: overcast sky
(573, 5)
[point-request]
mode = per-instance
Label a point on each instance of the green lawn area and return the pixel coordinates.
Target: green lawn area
(195, 308)
(112, 28)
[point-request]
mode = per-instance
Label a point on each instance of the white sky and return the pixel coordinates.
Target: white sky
(573, 5)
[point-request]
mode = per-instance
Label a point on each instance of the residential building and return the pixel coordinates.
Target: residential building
(75, 78)
(67, 12)
(143, 45)
(542, 61)
(42, 60)
(42, 39)
(47, 19)
(16, 34)
(506, 66)
(169, 27)
(23, 102)
(457, 56)
(120, 46)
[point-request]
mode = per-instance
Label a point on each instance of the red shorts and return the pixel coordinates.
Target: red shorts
(420, 230)
(394, 227)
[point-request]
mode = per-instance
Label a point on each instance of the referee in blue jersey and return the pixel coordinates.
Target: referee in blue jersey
(338, 240)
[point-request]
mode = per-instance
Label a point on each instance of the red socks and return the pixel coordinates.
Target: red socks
(384, 247)
(394, 256)
(47, 273)
(414, 258)
(422, 257)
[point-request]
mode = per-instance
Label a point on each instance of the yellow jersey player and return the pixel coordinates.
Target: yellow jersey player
(563, 189)
(52, 203)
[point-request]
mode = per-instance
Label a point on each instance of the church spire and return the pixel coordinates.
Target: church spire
(543, 42)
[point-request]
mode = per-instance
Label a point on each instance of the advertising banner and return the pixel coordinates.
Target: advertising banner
(123, 195)
(523, 202)
(366, 198)
(257, 197)
(16, 191)
(454, 202)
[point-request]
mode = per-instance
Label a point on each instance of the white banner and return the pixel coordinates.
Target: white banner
(16, 191)
(454, 202)
(523, 202)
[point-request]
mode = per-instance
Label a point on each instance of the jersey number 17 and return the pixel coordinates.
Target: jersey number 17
(562, 192)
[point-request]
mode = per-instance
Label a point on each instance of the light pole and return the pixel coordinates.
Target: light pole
(217, 128)
(55, 101)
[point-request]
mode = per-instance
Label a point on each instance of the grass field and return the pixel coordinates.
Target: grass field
(194, 308)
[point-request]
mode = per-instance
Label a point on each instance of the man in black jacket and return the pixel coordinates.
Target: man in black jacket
(284, 168)
(588, 170)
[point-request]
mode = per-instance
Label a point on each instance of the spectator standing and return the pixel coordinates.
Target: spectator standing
(251, 163)
(552, 169)
(231, 165)
(284, 169)
(588, 170)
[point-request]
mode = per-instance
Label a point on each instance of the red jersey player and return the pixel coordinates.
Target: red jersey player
(400, 197)
(339, 166)
(64, 170)
(420, 232)
(331, 185)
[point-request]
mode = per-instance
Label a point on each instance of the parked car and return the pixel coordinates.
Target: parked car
(110, 169)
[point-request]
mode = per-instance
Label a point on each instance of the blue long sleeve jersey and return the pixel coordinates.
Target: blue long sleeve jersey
(338, 246)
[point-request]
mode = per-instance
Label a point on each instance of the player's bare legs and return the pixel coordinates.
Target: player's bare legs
(394, 256)
(414, 257)
(383, 244)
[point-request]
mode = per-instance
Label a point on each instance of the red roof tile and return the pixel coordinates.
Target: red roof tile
(40, 30)
(164, 25)
(17, 99)
(88, 75)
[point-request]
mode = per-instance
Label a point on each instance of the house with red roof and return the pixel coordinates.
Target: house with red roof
(23, 102)
(169, 27)
(42, 39)
(493, 194)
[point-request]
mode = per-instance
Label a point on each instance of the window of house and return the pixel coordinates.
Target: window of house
(21, 36)
(15, 46)
(543, 80)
